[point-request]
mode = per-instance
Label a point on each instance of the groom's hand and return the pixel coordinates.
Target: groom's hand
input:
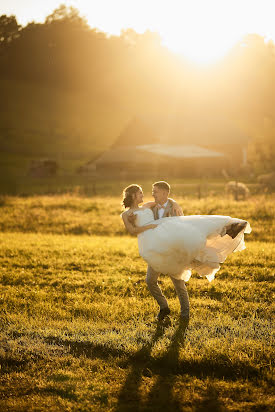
(132, 218)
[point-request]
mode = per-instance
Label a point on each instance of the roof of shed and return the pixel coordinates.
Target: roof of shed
(146, 153)
(180, 151)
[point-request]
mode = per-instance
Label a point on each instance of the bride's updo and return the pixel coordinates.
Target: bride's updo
(128, 193)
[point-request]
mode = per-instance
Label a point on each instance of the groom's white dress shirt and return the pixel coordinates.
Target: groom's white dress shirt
(161, 209)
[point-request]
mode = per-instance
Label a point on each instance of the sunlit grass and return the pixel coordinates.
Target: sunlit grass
(71, 214)
(78, 328)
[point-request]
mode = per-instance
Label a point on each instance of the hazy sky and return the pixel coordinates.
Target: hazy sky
(202, 30)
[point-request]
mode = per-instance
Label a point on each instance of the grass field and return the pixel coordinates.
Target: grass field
(78, 329)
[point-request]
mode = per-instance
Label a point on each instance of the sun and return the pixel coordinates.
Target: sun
(200, 49)
(202, 31)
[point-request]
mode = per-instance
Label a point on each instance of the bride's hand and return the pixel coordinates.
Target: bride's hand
(176, 209)
(152, 226)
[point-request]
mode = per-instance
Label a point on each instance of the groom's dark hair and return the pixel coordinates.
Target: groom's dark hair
(162, 185)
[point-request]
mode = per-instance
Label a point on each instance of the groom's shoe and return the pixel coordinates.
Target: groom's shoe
(234, 229)
(163, 313)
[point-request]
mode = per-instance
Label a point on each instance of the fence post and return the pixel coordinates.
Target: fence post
(236, 190)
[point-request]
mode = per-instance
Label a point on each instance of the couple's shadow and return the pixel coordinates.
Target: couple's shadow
(142, 364)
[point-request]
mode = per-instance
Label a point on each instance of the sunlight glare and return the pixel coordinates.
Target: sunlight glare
(202, 31)
(201, 50)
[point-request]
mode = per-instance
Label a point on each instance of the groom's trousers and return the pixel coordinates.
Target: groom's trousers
(180, 287)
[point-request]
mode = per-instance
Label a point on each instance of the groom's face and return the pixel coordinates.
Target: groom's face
(160, 195)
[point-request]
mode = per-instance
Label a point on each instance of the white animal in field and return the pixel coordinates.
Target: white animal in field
(237, 189)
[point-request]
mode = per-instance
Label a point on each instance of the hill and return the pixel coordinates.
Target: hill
(36, 120)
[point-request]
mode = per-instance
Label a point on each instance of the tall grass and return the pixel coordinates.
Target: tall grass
(77, 323)
(97, 215)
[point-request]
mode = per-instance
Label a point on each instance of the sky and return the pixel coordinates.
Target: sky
(202, 30)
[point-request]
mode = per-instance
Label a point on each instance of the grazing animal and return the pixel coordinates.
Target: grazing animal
(237, 189)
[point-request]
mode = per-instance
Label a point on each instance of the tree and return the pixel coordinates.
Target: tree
(9, 29)
(64, 14)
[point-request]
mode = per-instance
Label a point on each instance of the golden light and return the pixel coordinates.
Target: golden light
(201, 30)
(199, 49)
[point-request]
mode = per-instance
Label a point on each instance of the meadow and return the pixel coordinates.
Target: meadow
(77, 323)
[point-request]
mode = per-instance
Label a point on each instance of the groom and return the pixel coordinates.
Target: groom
(164, 208)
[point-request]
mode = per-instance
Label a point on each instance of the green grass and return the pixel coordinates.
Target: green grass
(78, 330)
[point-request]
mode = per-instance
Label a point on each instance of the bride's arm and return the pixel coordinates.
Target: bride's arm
(133, 230)
(148, 205)
(176, 207)
(177, 210)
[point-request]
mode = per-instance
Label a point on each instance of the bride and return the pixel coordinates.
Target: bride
(176, 245)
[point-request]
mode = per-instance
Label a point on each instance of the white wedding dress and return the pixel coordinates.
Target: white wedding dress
(182, 243)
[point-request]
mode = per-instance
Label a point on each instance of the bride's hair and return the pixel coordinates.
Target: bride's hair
(127, 194)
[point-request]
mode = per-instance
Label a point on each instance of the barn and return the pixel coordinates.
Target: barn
(159, 160)
(174, 147)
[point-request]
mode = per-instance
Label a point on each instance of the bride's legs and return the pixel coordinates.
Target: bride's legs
(182, 293)
(152, 282)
